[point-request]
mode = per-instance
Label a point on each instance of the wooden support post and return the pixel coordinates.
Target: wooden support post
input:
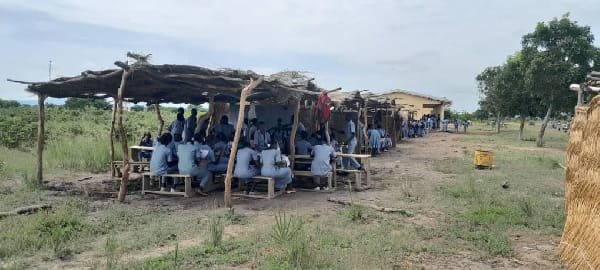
(161, 122)
(123, 138)
(293, 134)
(41, 137)
(359, 134)
(366, 117)
(236, 138)
(211, 112)
(111, 136)
(580, 94)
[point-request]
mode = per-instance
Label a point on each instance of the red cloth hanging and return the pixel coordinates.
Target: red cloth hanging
(322, 109)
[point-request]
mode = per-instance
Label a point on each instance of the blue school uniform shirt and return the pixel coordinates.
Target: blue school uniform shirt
(322, 154)
(350, 130)
(159, 162)
(303, 147)
(188, 155)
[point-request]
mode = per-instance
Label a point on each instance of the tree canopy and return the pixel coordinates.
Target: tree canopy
(82, 103)
(535, 80)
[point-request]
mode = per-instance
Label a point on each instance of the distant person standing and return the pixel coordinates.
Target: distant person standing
(190, 126)
(350, 132)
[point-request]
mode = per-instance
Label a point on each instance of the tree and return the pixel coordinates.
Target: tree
(519, 98)
(82, 103)
(493, 92)
(9, 103)
(137, 108)
(558, 52)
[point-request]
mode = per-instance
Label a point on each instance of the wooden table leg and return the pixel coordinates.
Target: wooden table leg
(368, 171)
(334, 172)
(271, 188)
(188, 186)
(358, 185)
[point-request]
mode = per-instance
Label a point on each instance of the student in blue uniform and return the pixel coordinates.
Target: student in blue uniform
(202, 173)
(162, 161)
(262, 138)
(176, 127)
(350, 133)
(303, 146)
(222, 150)
(247, 163)
(224, 127)
(322, 155)
(271, 167)
(190, 126)
(374, 140)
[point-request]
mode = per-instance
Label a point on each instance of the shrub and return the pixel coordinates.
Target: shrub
(216, 227)
(355, 212)
(285, 228)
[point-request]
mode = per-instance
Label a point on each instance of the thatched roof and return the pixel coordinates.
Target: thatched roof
(177, 84)
(352, 100)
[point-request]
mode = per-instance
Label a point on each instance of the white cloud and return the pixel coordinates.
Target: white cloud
(434, 46)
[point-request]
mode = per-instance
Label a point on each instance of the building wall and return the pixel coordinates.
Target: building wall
(417, 103)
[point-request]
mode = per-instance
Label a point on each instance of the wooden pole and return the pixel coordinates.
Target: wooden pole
(293, 133)
(111, 134)
(366, 117)
(359, 133)
(123, 138)
(236, 138)
(211, 112)
(161, 122)
(40, 137)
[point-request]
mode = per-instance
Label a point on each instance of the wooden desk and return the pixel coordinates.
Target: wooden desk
(366, 163)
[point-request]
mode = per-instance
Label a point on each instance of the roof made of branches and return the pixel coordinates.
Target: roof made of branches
(177, 84)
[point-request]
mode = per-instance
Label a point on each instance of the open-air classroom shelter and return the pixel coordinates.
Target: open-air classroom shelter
(156, 84)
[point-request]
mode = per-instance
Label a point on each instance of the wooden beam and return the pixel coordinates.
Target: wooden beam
(236, 138)
(111, 134)
(41, 137)
(123, 138)
(293, 133)
(161, 121)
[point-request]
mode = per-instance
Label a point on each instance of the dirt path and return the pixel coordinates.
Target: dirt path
(402, 178)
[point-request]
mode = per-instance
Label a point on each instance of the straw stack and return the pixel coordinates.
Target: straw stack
(580, 242)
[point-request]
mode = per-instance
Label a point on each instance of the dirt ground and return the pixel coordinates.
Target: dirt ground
(413, 162)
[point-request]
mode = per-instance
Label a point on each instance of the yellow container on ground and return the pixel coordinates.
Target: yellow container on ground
(483, 159)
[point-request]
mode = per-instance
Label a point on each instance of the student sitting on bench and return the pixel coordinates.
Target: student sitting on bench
(303, 146)
(321, 164)
(247, 162)
(221, 149)
(272, 166)
(188, 155)
(162, 161)
(205, 174)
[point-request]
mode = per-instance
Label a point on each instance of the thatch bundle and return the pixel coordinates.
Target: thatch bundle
(580, 243)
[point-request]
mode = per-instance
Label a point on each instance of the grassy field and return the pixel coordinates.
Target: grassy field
(456, 216)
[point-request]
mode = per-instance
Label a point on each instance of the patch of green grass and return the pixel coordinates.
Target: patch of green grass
(57, 231)
(494, 243)
(355, 212)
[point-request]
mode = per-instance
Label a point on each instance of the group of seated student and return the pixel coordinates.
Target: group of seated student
(378, 140)
(192, 158)
(261, 155)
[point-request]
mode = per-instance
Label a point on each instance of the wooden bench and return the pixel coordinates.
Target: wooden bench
(329, 175)
(115, 166)
(147, 179)
(271, 193)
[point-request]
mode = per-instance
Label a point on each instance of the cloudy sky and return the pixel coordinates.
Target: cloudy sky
(435, 47)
